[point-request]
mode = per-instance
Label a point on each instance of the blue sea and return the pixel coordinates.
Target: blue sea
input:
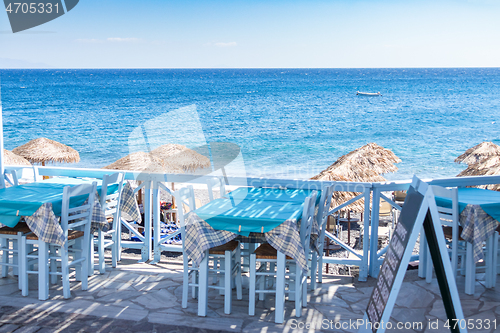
(287, 122)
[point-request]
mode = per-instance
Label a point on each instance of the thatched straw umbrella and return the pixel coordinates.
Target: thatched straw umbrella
(478, 153)
(12, 159)
(486, 167)
(182, 157)
(44, 150)
(139, 161)
(142, 162)
(364, 164)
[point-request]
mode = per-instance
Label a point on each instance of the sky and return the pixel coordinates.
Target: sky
(260, 34)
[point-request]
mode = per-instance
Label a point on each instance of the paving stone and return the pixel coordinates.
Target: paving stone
(8, 328)
(337, 313)
(404, 315)
(481, 317)
(157, 299)
(229, 324)
(161, 284)
(8, 289)
(407, 296)
(488, 305)
(28, 329)
(112, 296)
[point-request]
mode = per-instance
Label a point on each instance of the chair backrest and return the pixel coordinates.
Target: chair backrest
(307, 220)
(385, 208)
(185, 203)
(77, 206)
(448, 215)
(324, 207)
(214, 183)
(12, 176)
(110, 203)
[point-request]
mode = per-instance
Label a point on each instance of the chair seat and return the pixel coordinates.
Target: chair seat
(221, 249)
(72, 234)
(266, 251)
(20, 227)
(448, 233)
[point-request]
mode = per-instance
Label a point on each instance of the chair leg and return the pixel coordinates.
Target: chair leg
(239, 292)
(90, 260)
(185, 282)
(84, 244)
(253, 277)
(100, 250)
(320, 266)
(227, 281)
(21, 259)
(280, 289)
(4, 244)
(23, 265)
(314, 268)
(262, 283)
(53, 264)
(15, 257)
(119, 240)
(428, 265)
(298, 290)
(114, 249)
(65, 272)
(203, 287)
(43, 271)
(470, 271)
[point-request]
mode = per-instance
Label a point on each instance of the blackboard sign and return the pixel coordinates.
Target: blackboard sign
(419, 209)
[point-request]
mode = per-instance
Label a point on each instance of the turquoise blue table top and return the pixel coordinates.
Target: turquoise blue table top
(24, 200)
(271, 194)
(488, 200)
(248, 215)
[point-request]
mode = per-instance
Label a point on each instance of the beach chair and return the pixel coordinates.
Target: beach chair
(75, 224)
(265, 254)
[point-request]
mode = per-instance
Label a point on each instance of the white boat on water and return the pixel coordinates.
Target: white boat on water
(360, 93)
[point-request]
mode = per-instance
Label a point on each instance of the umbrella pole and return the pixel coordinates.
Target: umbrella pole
(44, 177)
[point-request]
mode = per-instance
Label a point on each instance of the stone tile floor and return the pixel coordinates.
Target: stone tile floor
(138, 297)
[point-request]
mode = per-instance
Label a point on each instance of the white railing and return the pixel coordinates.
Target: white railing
(370, 259)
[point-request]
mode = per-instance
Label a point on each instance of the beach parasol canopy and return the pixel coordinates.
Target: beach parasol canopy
(143, 162)
(12, 159)
(44, 150)
(486, 167)
(182, 157)
(478, 153)
(364, 164)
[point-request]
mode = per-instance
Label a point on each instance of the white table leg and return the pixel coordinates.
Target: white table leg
(470, 271)
(489, 278)
(43, 271)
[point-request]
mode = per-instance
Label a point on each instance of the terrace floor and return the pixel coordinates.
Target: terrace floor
(137, 297)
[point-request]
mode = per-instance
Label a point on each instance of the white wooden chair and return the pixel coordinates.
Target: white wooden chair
(265, 254)
(321, 218)
(10, 245)
(110, 203)
(449, 219)
(228, 255)
(10, 238)
(75, 223)
(215, 183)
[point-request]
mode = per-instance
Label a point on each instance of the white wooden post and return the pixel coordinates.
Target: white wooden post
(363, 269)
(374, 265)
(156, 223)
(146, 248)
